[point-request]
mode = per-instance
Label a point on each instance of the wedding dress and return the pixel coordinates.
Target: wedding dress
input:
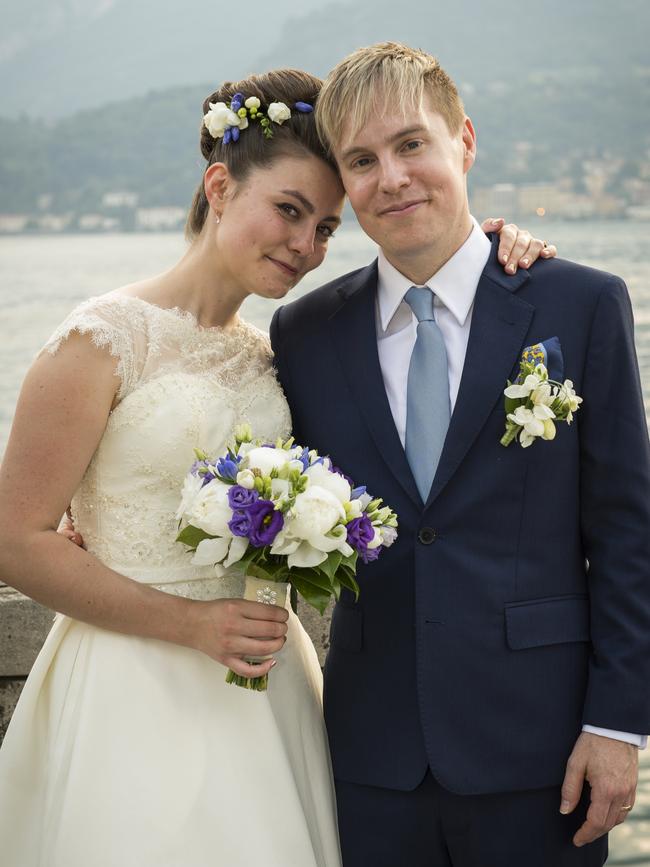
(134, 752)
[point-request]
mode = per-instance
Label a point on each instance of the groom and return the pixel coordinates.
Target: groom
(498, 657)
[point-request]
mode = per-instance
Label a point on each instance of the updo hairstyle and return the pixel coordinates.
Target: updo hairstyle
(295, 137)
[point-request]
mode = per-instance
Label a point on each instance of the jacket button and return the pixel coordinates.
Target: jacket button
(427, 535)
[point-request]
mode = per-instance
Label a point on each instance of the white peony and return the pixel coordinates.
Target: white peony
(267, 459)
(315, 528)
(315, 513)
(210, 510)
(278, 112)
(191, 487)
(319, 475)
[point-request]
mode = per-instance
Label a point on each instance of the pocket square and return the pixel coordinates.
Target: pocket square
(549, 353)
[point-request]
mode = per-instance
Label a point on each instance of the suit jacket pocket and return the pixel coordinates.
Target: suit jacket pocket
(347, 628)
(554, 620)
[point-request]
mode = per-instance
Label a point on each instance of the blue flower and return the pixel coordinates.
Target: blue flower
(234, 133)
(358, 492)
(304, 107)
(227, 135)
(228, 467)
(237, 101)
(304, 458)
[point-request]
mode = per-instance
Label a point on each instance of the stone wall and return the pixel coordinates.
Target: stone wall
(24, 625)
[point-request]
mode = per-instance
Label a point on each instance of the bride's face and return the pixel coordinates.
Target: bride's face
(276, 224)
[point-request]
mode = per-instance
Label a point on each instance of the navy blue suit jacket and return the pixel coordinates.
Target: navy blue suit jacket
(479, 647)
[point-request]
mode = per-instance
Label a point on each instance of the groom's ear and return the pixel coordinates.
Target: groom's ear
(468, 136)
(218, 184)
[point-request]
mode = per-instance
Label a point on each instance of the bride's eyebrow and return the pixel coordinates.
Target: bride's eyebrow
(302, 199)
(308, 205)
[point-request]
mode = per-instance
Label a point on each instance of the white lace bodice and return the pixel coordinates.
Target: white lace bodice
(181, 386)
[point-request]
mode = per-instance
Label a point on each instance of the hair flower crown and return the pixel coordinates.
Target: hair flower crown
(227, 122)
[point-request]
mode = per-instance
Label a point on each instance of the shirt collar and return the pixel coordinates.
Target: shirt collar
(454, 284)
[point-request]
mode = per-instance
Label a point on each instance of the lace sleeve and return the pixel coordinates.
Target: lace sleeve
(111, 326)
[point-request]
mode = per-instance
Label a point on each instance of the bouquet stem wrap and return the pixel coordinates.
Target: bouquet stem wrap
(268, 593)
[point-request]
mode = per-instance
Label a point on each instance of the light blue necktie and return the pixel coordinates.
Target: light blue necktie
(427, 398)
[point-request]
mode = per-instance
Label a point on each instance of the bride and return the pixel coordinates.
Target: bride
(127, 746)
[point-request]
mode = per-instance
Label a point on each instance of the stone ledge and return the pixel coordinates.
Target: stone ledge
(10, 690)
(24, 625)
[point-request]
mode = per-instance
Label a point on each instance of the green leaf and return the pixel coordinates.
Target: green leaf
(332, 563)
(349, 581)
(314, 596)
(315, 576)
(511, 404)
(351, 561)
(256, 571)
(191, 536)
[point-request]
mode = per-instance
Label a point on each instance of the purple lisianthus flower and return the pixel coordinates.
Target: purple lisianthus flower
(228, 467)
(241, 498)
(240, 524)
(360, 533)
(266, 523)
(358, 492)
(370, 554)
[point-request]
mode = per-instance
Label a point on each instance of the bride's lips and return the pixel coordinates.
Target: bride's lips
(403, 208)
(287, 269)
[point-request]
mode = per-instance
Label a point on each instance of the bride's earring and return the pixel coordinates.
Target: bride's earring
(217, 218)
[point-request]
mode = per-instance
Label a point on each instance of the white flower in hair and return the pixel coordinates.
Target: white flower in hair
(220, 117)
(278, 112)
(252, 102)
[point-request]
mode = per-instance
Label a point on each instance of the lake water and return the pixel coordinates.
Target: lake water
(43, 277)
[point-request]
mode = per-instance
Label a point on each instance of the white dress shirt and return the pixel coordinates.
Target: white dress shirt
(454, 287)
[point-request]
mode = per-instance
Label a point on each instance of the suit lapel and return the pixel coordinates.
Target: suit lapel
(500, 322)
(354, 333)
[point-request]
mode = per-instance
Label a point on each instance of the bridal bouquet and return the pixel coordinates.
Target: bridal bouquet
(282, 514)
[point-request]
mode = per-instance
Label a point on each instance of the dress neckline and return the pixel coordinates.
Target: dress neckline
(186, 316)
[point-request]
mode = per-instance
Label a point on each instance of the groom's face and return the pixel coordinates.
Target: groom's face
(405, 175)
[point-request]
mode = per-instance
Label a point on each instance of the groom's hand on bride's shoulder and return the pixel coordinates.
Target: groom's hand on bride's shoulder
(611, 769)
(517, 247)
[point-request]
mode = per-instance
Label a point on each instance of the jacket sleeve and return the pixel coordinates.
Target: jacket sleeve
(615, 518)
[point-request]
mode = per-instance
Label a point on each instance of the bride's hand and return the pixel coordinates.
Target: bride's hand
(517, 247)
(230, 629)
(66, 528)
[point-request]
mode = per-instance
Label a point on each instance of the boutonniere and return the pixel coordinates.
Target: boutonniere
(534, 403)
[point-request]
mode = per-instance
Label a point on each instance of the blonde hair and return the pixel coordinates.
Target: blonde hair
(381, 75)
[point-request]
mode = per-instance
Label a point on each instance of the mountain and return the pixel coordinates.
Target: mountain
(59, 56)
(547, 87)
